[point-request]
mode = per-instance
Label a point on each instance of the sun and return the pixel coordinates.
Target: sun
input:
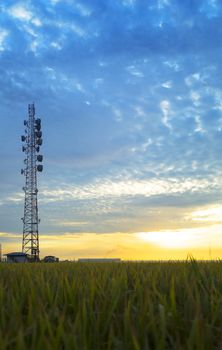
(169, 239)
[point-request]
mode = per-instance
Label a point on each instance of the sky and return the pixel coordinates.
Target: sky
(129, 92)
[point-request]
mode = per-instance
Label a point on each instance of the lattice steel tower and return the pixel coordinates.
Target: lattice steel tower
(32, 140)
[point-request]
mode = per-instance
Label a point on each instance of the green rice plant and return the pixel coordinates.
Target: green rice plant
(127, 305)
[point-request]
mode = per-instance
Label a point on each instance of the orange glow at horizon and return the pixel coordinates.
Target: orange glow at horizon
(201, 243)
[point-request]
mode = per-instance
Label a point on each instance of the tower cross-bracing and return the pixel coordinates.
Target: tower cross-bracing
(32, 140)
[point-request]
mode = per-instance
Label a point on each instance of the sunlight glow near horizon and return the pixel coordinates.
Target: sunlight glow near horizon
(202, 236)
(185, 238)
(201, 243)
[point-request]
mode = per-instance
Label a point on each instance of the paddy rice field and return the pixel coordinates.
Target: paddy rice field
(127, 305)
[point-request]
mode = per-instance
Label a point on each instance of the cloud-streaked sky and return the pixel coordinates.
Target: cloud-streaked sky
(129, 92)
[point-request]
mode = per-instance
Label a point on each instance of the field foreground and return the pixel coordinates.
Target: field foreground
(175, 305)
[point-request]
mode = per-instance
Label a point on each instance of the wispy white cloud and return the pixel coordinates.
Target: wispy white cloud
(15, 197)
(70, 26)
(9, 235)
(21, 12)
(70, 83)
(175, 65)
(135, 71)
(168, 84)
(56, 45)
(199, 126)
(37, 22)
(82, 9)
(68, 223)
(129, 3)
(116, 189)
(207, 214)
(163, 3)
(34, 46)
(191, 79)
(78, 30)
(117, 114)
(3, 35)
(165, 107)
(98, 82)
(139, 111)
(195, 97)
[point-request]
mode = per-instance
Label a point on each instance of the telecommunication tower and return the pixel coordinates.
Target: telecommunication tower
(32, 140)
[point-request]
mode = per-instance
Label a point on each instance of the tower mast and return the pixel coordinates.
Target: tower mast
(32, 140)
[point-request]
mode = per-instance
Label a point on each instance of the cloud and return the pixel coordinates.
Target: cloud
(132, 187)
(8, 235)
(129, 3)
(37, 22)
(21, 12)
(3, 35)
(211, 214)
(135, 71)
(165, 107)
(163, 3)
(195, 97)
(190, 80)
(167, 84)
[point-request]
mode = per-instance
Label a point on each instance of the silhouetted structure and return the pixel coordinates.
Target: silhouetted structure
(32, 140)
(17, 257)
(50, 259)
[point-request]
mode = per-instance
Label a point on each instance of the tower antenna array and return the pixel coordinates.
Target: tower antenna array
(32, 140)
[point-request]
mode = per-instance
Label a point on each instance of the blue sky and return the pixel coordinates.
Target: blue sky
(130, 97)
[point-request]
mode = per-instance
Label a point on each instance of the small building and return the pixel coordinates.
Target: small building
(50, 259)
(99, 260)
(17, 257)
